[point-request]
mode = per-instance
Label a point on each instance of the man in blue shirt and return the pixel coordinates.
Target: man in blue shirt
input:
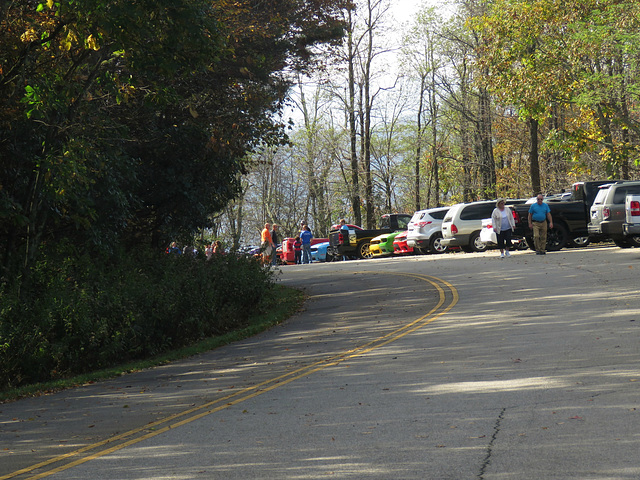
(539, 213)
(305, 237)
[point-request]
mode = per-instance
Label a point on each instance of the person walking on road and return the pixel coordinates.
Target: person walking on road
(539, 213)
(275, 238)
(503, 224)
(305, 237)
(266, 244)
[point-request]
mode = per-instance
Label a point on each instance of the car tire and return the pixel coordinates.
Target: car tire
(435, 244)
(363, 250)
(475, 244)
(579, 242)
(634, 241)
(531, 243)
(622, 243)
(557, 238)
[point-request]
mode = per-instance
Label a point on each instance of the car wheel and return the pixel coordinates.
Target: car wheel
(476, 244)
(634, 241)
(622, 243)
(531, 243)
(435, 244)
(363, 250)
(523, 244)
(579, 242)
(556, 238)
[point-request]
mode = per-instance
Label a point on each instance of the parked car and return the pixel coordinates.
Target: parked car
(631, 226)
(288, 256)
(382, 245)
(463, 222)
(355, 242)
(319, 252)
(608, 212)
(401, 245)
(570, 217)
(425, 230)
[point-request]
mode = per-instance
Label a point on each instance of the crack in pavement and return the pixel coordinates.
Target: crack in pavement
(487, 459)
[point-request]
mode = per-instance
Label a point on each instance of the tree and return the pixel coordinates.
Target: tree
(128, 123)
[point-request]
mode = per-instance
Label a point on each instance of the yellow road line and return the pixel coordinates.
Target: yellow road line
(249, 392)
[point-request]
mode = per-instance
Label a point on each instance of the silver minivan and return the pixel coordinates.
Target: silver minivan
(608, 211)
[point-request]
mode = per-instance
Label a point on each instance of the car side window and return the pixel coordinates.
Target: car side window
(384, 223)
(477, 212)
(438, 215)
(621, 193)
(403, 223)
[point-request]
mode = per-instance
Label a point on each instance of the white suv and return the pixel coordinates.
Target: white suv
(425, 233)
(463, 223)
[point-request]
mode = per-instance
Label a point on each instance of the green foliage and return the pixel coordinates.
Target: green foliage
(85, 313)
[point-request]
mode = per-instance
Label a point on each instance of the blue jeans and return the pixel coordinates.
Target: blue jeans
(306, 253)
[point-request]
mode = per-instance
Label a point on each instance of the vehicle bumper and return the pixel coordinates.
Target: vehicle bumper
(594, 229)
(610, 228)
(418, 242)
(457, 241)
(631, 229)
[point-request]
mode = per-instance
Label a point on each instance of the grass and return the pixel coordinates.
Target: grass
(277, 307)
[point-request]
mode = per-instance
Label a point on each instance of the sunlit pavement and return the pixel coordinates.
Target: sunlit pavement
(533, 374)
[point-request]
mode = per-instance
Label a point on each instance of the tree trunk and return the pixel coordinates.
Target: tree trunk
(419, 143)
(355, 174)
(534, 157)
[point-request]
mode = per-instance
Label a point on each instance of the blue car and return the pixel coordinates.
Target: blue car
(319, 252)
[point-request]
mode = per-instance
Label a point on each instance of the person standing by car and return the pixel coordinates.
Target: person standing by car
(297, 248)
(266, 245)
(305, 237)
(503, 224)
(275, 238)
(539, 213)
(344, 228)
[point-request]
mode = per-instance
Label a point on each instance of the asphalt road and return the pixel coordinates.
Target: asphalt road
(441, 367)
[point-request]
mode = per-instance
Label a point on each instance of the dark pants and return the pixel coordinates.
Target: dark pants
(504, 237)
(298, 257)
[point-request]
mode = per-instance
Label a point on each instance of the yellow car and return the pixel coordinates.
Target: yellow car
(382, 245)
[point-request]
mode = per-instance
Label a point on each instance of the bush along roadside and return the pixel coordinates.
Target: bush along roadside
(80, 314)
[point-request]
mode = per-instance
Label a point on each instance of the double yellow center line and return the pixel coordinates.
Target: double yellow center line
(447, 293)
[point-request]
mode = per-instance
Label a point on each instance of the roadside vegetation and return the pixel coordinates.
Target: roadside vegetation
(125, 126)
(277, 305)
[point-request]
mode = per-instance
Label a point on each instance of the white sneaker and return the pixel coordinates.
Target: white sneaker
(501, 255)
(507, 253)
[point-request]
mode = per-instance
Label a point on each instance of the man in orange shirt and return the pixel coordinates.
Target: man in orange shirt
(266, 244)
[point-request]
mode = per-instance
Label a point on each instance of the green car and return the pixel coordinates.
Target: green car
(382, 245)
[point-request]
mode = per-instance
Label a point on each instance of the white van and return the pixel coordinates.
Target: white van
(462, 224)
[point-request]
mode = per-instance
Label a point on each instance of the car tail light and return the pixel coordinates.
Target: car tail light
(635, 209)
(423, 224)
(454, 229)
(606, 212)
(340, 238)
(516, 217)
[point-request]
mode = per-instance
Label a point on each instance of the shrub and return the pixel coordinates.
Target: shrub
(77, 313)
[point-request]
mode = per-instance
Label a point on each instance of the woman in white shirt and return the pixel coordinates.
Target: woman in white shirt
(503, 224)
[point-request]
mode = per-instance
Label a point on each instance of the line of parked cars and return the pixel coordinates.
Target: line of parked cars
(591, 211)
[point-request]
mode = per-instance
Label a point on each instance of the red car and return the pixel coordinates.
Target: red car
(288, 255)
(400, 246)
